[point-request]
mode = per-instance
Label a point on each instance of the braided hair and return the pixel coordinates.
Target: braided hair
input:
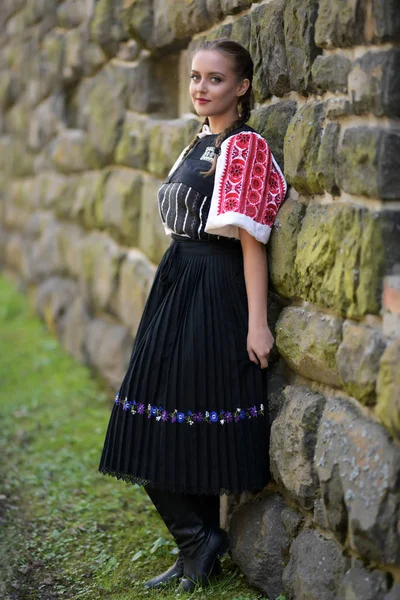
(243, 66)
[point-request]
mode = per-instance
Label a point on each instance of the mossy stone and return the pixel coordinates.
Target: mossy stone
(369, 163)
(267, 48)
(358, 361)
(137, 17)
(301, 147)
(331, 72)
(133, 147)
(118, 209)
(282, 247)
(166, 142)
(309, 341)
(105, 110)
(106, 27)
(340, 23)
(327, 158)
(331, 264)
(388, 388)
(301, 51)
(272, 123)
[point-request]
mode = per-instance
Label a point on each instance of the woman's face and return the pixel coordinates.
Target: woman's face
(215, 87)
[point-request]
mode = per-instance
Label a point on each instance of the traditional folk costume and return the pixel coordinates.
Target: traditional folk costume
(190, 420)
(191, 414)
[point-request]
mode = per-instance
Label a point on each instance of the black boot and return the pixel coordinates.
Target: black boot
(174, 572)
(193, 522)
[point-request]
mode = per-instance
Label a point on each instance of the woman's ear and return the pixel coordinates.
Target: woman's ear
(243, 87)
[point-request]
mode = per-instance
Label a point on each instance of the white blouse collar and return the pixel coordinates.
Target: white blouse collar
(205, 131)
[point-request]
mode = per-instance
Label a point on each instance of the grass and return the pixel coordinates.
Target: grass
(67, 531)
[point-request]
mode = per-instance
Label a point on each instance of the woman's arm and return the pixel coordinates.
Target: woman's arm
(259, 339)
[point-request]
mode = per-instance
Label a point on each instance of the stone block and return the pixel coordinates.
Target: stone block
(72, 13)
(145, 85)
(301, 147)
(359, 467)
(52, 298)
(267, 48)
(308, 341)
(133, 147)
(45, 258)
(89, 192)
(107, 347)
(386, 21)
(74, 324)
(260, 543)
(105, 116)
(167, 140)
(136, 277)
(340, 24)
(45, 76)
(9, 89)
(118, 210)
(292, 444)
(359, 583)
(374, 84)
(331, 72)
(15, 160)
(358, 360)
(16, 120)
(70, 237)
(282, 247)
(74, 59)
(328, 158)
(388, 389)
(301, 51)
(272, 123)
(394, 593)
(369, 163)
(342, 254)
(46, 121)
(153, 240)
(68, 151)
(173, 27)
(137, 17)
(36, 10)
(100, 260)
(315, 568)
(106, 27)
(8, 8)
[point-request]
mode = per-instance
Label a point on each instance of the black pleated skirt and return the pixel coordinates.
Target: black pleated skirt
(191, 414)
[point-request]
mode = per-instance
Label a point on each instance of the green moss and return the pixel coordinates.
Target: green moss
(301, 146)
(86, 535)
(339, 260)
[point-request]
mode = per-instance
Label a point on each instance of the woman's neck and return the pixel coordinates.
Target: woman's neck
(219, 123)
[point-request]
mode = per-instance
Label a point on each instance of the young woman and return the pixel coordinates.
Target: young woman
(190, 420)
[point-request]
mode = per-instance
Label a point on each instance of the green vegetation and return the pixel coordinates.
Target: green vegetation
(68, 531)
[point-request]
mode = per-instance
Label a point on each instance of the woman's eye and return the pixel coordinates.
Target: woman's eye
(216, 79)
(194, 77)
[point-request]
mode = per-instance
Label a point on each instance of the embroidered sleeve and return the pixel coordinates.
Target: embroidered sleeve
(249, 188)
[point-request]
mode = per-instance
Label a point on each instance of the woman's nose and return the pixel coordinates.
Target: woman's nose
(202, 85)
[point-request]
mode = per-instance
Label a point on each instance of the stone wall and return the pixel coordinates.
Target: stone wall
(93, 112)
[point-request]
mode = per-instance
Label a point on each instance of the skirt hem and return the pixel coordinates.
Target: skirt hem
(129, 478)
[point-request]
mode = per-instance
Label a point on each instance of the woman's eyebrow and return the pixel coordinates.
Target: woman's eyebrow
(211, 72)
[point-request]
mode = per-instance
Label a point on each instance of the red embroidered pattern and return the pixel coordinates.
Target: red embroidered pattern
(250, 183)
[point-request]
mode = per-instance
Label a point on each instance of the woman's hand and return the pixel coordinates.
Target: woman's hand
(259, 345)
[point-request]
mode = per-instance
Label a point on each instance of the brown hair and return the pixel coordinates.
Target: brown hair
(243, 66)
